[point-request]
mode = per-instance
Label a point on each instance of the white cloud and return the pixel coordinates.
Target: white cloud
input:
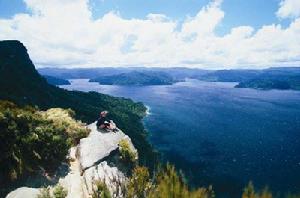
(157, 17)
(205, 22)
(63, 33)
(289, 9)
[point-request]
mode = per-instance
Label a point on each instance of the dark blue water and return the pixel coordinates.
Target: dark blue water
(222, 135)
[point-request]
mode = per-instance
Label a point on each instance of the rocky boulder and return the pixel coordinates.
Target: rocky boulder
(24, 192)
(111, 176)
(98, 145)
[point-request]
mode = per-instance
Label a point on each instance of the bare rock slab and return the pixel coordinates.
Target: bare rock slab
(98, 145)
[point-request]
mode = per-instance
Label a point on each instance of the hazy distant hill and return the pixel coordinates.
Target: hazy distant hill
(177, 73)
(83, 73)
(274, 78)
(229, 75)
(56, 81)
(136, 78)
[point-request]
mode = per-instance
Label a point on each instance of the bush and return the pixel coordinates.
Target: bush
(169, 185)
(289, 195)
(31, 140)
(44, 193)
(64, 118)
(59, 192)
(100, 190)
(127, 154)
(139, 184)
(166, 184)
(249, 192)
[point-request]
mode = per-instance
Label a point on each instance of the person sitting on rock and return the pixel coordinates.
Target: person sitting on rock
(103, 123)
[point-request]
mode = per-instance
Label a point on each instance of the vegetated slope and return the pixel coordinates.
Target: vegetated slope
(136, 78)
(22, 84)
(32, 140)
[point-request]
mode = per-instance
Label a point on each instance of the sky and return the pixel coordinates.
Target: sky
(207, 34)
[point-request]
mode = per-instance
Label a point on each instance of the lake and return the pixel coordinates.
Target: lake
(221, 135)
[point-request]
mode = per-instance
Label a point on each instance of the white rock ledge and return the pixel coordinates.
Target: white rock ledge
(24, 192)
(98, 145)
(112, 177)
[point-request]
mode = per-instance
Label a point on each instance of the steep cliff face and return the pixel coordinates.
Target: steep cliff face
(19, 80)
(94, 159)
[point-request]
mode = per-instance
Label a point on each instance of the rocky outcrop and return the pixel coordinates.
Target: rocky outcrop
(92, 154)
(89, 163)
(98, 145)
(111, 176)
(23, 192)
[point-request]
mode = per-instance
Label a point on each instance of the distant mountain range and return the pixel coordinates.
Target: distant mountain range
(90, 73)
(234, 75)
(272, 78)
(136, 78)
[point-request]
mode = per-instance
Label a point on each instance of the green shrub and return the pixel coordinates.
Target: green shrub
(166, 184)
(31, 140)
(59, 192)
(100, 190)
(44, 193)
(289, 195)
(169, 185)
(249, 192)
(139, 184)
(64, 118)
(127, 154)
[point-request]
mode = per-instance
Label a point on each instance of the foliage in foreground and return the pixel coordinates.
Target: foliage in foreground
(64, 118)
(166, 184)
(249, 192)
(169, 184)
(139, 185)
(57, 192)
(100, 190)
(31, 140)
(44, 193)
(128, 155)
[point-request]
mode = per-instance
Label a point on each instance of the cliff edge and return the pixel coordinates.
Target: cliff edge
(95, 158)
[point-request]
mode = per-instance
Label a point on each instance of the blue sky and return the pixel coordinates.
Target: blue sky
(205, 33)
(238, 12)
